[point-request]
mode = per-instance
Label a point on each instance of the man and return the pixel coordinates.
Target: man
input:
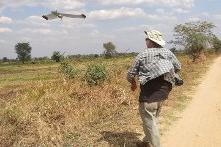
(156, 68)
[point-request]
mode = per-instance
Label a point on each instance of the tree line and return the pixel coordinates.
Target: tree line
(194, 37)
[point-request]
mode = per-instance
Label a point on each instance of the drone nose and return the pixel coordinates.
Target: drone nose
(84, 16)
(45, 17)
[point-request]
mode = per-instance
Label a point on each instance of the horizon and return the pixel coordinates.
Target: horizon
(106, 21)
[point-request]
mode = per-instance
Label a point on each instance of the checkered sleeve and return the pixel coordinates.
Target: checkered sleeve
(176, 63)
(134, 70)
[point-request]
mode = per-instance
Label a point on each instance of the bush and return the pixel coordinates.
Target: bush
(216, 44)
(67, 70)
(5, 59)
(57, 56)
(95, 74)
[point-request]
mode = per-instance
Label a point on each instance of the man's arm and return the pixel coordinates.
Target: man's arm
(132, 72)
(176, 63)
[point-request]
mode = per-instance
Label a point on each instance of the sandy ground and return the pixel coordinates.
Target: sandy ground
(200, 124)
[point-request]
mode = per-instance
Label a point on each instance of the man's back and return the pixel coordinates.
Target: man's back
(154, 62)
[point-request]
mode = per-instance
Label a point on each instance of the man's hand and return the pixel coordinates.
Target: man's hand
(133, 86)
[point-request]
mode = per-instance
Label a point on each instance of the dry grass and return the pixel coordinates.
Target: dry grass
(40, 108)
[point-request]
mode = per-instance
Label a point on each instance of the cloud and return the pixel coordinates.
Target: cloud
(77, 25)
(2, 41)
(5, 20)
(96, 34)
(52, 4)
(35, 20)
(162, 18)
(139, 29)
(14, 3)
(35, 31)
(171, 3)
(172, 11)
(116, 13)
(42, 31)
(181, 11)
(217, 16)
(194, 19)
(65, 4)
(5, 30)
(205, 14)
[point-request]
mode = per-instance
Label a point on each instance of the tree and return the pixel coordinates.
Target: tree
(110, 49)
(57, 56)
(217, 44)
(23, 51)
(194, 36)
(5, 59)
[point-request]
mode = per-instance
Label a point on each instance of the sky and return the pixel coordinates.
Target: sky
(122, 22)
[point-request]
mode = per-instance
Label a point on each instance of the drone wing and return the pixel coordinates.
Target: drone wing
(49, 16)
(73, 16)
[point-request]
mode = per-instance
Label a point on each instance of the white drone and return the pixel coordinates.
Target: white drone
(56, 14)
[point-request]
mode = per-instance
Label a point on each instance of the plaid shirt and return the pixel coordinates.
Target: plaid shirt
(152, 63)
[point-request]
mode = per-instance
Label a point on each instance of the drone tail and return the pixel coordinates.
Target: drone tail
(45, 17)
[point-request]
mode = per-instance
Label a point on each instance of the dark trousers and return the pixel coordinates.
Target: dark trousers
(155, 90)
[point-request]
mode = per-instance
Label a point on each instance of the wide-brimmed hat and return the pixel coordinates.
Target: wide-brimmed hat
(155, 36)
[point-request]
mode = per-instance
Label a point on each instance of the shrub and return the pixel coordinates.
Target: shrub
(95, 74)
(57, 56)
(216, 44)
(67, 70)
(5, 59)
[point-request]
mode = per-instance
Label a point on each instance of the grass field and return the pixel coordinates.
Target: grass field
(38, 107)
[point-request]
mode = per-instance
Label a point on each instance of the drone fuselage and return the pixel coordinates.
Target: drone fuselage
(57, 14)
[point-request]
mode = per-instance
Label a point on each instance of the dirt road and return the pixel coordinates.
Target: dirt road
(200, 124)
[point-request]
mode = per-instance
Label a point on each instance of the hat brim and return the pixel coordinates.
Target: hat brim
(160, 42)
